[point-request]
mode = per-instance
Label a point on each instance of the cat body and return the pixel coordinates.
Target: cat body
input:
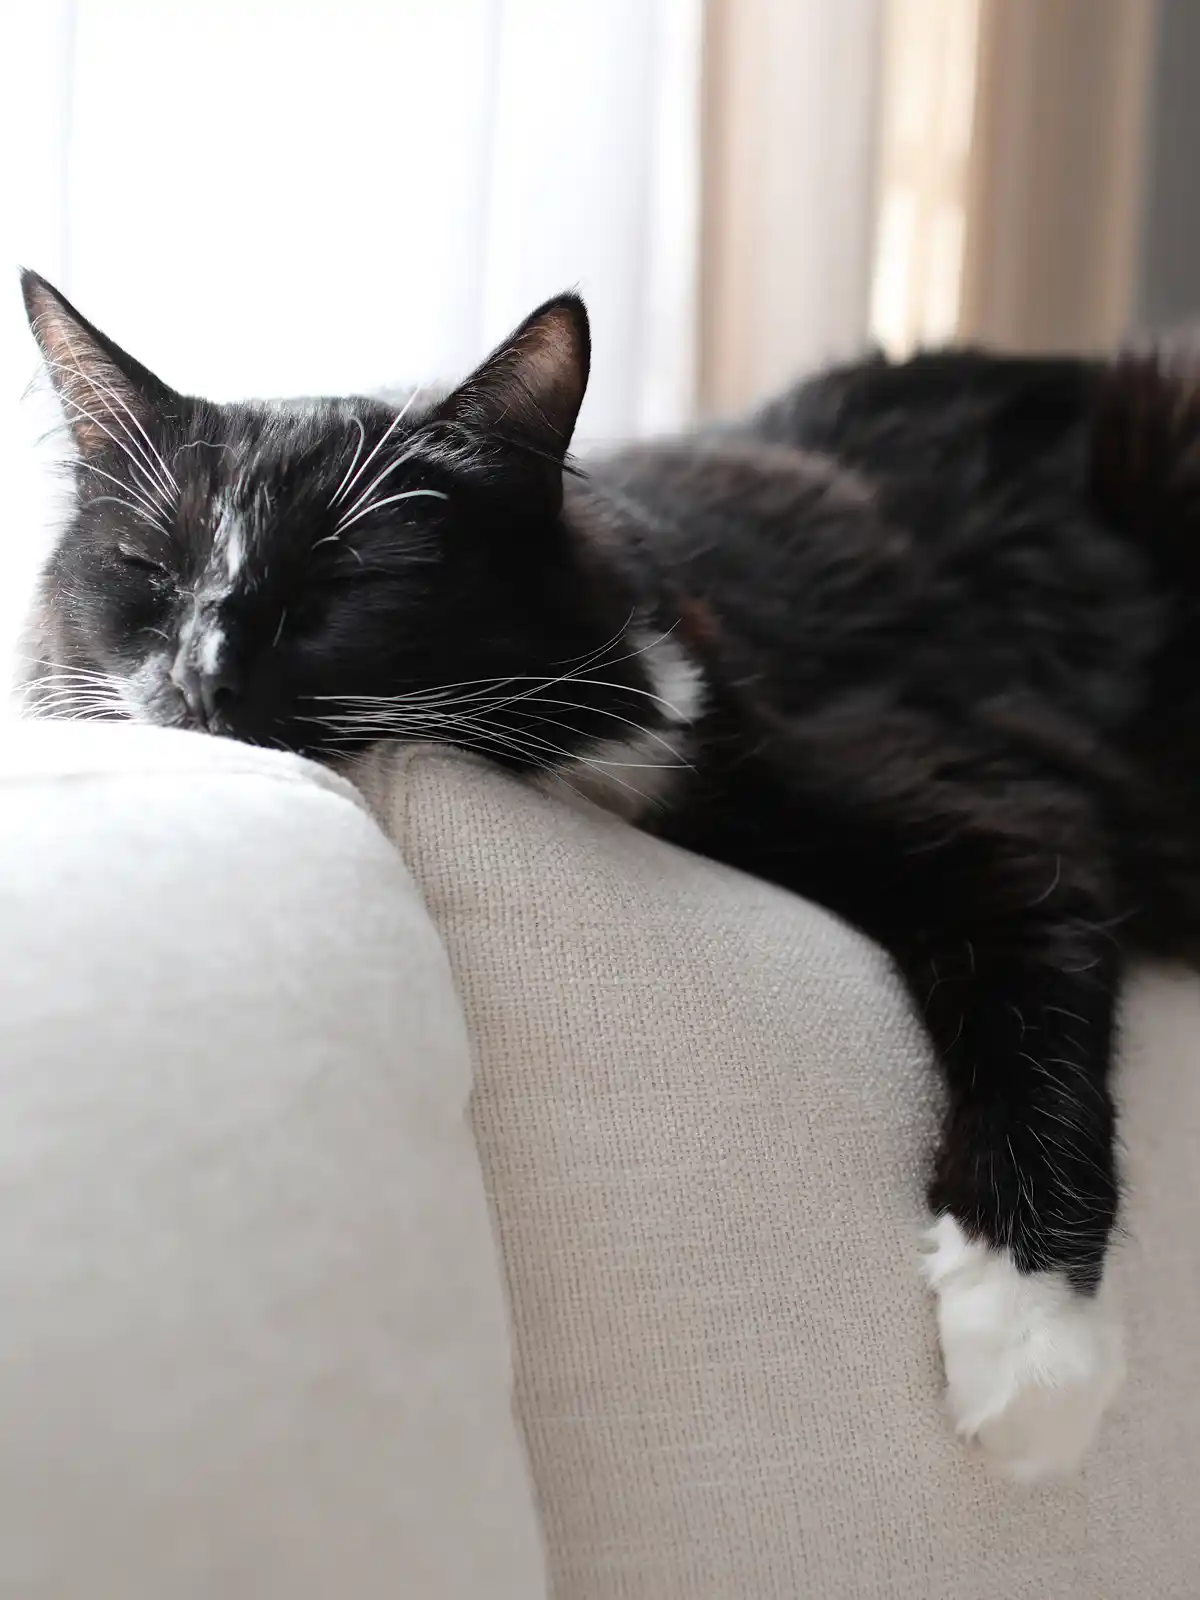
(918, 641)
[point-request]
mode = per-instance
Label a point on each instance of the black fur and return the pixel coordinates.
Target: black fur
(945, 611)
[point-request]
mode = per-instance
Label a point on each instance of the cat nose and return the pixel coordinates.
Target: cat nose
(207, 695)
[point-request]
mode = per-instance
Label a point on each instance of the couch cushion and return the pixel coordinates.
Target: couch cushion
(253, 1339)
(703, 1110)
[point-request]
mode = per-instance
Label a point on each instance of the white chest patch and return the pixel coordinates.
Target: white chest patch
(637, 769)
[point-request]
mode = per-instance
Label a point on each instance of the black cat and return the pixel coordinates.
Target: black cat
(919, 641)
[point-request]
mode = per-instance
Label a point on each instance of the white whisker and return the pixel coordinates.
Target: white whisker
(391, 428)
(148, 485)
(116, 500)
(586, 659)
(148, 449)
(396, 461)
(362, 439)
(417, 697)
(154, 511)
(378, 505)
(148, 461)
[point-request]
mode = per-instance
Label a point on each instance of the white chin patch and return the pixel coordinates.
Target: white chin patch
(1031, 1366)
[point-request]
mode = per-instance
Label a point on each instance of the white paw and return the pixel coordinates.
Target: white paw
(1030, 1365)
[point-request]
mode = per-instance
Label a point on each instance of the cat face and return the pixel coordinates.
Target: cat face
(271, 572)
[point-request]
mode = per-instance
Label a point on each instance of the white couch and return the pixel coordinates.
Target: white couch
(256, 1336)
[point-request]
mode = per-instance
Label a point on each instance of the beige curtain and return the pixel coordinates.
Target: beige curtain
(917, 172)
(790, 107)
(1011, 154)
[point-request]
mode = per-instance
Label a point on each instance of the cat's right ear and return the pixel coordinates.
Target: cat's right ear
(107, 395)
(526, 396)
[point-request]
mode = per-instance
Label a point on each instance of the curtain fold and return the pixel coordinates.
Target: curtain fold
(791, 95)
(1012, 160)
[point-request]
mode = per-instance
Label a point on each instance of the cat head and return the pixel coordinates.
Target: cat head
(277, 571)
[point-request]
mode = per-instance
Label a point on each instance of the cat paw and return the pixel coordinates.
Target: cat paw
(1031, 1365)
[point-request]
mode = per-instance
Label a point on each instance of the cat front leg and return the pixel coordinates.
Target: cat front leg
(997, 903)
(1025, 1188)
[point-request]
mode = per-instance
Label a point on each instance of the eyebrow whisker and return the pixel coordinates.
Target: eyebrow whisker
(362, 439)
(391, 428)
(378, 505)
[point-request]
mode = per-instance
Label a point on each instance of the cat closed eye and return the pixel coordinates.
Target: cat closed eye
(139, 559)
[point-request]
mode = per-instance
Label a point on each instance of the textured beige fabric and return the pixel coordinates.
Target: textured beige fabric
(253, 1340)
(702, 1109)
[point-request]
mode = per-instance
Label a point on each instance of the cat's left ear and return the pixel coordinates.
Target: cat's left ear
(528, 392)
(103, 391)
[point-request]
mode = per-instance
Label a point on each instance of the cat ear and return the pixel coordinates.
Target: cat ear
(529, 390)
(106, 395)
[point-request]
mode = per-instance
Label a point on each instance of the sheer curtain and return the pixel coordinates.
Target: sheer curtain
(299, 196)
(294, 196)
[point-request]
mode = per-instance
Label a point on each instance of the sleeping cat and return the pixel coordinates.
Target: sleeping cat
(920, 641)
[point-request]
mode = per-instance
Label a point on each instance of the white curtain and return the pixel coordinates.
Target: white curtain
(301, 196)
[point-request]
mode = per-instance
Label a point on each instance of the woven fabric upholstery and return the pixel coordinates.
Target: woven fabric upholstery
(703, 1110)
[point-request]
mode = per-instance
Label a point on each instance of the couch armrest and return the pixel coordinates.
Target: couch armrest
(704, 1109)
(253, 1340)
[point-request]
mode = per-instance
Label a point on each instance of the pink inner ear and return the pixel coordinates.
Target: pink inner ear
(548, 352)
(533, 385)
(102, 406)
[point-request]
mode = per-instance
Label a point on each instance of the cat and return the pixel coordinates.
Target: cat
(918, 640)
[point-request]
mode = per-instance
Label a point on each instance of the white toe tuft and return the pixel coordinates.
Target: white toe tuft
(1031, 1365)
